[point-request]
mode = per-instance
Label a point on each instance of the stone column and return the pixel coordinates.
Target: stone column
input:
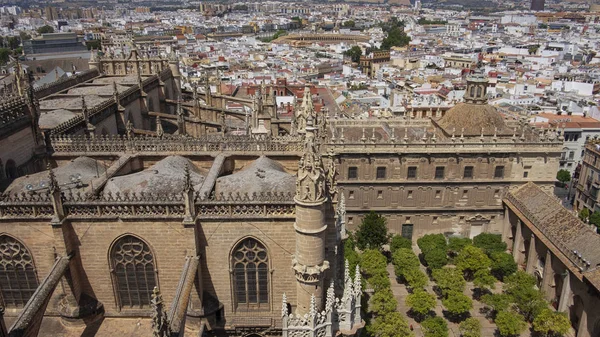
(506, 227)
(531, 256)
(582, 330)
(517, 242)
(565, 293)
(548, 276)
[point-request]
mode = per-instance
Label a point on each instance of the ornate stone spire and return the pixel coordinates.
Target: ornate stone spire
(310, 182)
(187, 184)
(159, 129)
(84, 110)
(330, 299)
(284, 308)
(129, 129)
(160, 322)
(313, 307)
(52, 182)
(357, 281)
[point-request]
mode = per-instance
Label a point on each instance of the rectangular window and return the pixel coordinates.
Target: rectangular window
(468, 174)
(438, 194)
(381, 172)
(409, 194)
(525, 174)
(499, 172)
(412, 172)
(379, 194)
(350, 194)
(352, 172)
(571, 154)
(439, 172)
(465, 194)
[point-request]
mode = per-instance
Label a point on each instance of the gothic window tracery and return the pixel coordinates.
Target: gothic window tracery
(18, 279)
(133, 271)
(250, 265)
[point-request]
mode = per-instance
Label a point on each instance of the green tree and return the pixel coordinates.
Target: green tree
(496, 302)
(379, 281)
(510, 323)
(13, 42)
(372, 262)
(398, 241)
(421, 302)
(551, 323)
(383, 302)
(457, 304)
(449, 279)
(470, 327)
(23, 36)
(4, 55)
(354, 53)
(470, 260)
(490, 243)
(349, 24)
(584, 214)
(529, 300)
(404, 259)
(595, 219)
(503, 265)
(45, 29)
(436, 258)
(390, 325)
(456, 245)
(483, 279)
(395, 38)
(350, 254)
(435, 327)
(563, 176)
(432, 241)
(372, 232)
(416, 279)
(93, 44)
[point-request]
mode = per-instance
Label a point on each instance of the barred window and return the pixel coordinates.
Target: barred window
(250, 275)
(133, 271)
(18, 279)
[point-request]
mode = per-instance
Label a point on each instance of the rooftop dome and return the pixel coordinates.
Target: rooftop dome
(83, 169)
(473, 117)
(262, 175)
(165, 177)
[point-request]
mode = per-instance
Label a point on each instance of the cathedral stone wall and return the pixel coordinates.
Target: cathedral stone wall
(220, 238)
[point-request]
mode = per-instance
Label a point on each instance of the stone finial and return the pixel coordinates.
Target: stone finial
(52, 182)
(160, 322)
(341, 210)
(179, 107)
(312, 312)
(347, 272)
(116, 92)
(330, 298)
(159, 129)
(129, 129)
(84, 110)
(310, 181)
(187, 184)
(284, 308)
(357, 281)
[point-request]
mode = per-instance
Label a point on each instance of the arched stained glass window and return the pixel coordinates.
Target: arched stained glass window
(18, 279)
(133, 270)
(250, 265)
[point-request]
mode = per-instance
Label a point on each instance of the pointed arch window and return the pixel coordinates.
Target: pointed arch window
(134, 274)
(18, 279)
(250, 265)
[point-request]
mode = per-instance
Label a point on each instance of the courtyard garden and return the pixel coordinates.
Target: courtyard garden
(446, 287)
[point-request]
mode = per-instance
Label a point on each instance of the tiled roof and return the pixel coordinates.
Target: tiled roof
(561, 227)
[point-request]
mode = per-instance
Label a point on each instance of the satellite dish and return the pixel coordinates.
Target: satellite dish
(29, 187)
(42, 184)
